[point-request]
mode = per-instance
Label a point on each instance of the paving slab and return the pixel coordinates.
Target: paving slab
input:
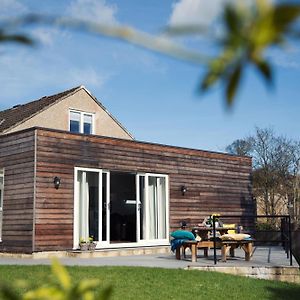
(262, 256)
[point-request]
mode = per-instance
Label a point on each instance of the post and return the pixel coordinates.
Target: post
(290, 240)
(214, 237)
(286, 236)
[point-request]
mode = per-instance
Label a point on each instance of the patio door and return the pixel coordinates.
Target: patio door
(123, 211)
(120, 208)
(152, 207)
(91, 205)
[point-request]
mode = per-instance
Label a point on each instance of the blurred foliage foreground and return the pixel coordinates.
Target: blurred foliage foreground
(61, 289)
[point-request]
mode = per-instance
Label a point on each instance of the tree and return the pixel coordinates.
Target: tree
(248, 33)
(240, 147)
(276, 166)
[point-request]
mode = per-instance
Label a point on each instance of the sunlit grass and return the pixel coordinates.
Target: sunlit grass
(156, 283)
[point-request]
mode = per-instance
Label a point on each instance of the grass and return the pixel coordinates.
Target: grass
(155, 283)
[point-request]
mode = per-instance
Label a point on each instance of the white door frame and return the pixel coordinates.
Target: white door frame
(106, 244)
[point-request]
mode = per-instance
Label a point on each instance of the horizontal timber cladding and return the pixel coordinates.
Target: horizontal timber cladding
(216, 182)
(17, 159)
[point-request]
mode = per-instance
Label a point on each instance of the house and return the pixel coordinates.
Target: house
(70, 170)
(74, 110)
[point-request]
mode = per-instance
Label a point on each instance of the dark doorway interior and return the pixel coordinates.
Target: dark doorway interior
(122, 207)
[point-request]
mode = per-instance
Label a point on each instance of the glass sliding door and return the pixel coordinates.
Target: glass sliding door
(157, 207)
(141, 207)
(123, 225)
(120, 208)
(91, 205)
(88, 190)
(105, 207)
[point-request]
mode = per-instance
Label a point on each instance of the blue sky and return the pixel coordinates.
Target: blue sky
(154, 96)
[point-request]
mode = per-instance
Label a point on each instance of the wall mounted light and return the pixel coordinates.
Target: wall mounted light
(183, 189)
(56, 182)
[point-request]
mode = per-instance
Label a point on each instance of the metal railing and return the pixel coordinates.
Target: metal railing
(284, 230)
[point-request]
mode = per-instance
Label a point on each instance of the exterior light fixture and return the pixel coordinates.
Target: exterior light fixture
(183, 189)
(56, 182)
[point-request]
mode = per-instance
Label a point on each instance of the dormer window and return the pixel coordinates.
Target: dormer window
(81, 122)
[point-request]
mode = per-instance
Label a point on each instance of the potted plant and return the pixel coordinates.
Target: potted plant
(209, 220)
(84, 246)
(92, 245)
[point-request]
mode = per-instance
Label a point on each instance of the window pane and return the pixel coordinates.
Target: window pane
(87, 128)
(87, 119)
(157, 207)
(87, 124)
(74, 121)
(75, 116)
(74, 126)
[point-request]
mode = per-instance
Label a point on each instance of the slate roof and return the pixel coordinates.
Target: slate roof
(19, 113)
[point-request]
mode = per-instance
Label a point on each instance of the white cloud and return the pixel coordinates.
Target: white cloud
(195, 12)
(12, 7)
(27, 70)
(286, 58)
(94, 10)
(200, 12)
(47, 36)
(88, 77)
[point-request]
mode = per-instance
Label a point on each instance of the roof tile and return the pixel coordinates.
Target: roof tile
(19, 113)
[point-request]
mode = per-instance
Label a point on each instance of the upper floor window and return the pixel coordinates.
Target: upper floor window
(81, 122)
(1, 199)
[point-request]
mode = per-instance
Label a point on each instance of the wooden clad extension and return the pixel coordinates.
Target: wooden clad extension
(17, 159)
(38, 217)
(216, 182)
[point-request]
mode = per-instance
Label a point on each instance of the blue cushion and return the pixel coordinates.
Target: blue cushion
(182, 234)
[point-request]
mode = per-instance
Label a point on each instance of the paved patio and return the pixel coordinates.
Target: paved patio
(262, 256)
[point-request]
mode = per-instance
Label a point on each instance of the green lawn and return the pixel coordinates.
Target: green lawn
(155, 283)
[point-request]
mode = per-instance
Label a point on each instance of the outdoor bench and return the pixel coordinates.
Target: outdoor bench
(231, 245)
(194, 246)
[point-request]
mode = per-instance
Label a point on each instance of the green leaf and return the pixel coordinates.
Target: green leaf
(61, 273)
(231, 19)
(232, 84)
(105, 294)
(7, 292)
(265, 70)
(87, 285)
(284, 15)
(209, 79)
(45, 293)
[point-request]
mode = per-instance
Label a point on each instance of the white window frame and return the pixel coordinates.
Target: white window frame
(81, 122)
(147, 241)
(106, 244)
(1, 203)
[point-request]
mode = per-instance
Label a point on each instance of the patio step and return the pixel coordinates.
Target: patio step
(288, 274)
(111, 252)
